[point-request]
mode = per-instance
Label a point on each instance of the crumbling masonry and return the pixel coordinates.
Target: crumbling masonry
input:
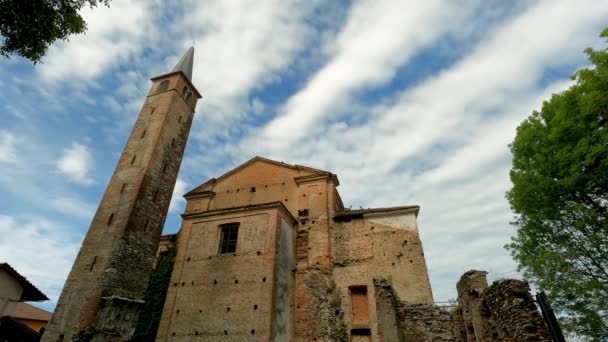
(502, 312)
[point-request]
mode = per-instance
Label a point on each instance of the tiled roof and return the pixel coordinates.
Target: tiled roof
(27, 311)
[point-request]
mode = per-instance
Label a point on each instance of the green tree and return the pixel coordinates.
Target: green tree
(28, 27)
(560, 196)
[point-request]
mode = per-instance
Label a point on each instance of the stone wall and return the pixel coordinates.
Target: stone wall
(477, 319)
(400, 321)
(504, 311)
(431, 323)
(515, 315)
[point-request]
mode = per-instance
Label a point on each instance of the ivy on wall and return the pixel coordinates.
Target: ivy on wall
(149, 318)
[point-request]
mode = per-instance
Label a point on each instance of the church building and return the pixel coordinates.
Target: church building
(265, 252)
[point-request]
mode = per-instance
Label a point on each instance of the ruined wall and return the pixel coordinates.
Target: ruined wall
(318, 315)
(110, 274)
(430, 323)
(504, 311)
(514, 312)
(401, 321)
(478, 321)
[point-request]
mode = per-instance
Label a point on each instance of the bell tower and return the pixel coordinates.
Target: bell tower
(105, 289)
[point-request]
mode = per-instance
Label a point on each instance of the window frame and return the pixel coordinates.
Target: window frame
(163, 86)
(228, 239)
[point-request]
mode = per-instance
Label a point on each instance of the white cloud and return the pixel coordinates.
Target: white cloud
(39, 249)
(72, 207)
(76, 163)
(242, 46)
(177, 201)
(8, 151)
(114, 34)
(378, 37)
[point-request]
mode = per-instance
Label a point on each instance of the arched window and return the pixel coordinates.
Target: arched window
(163, 85)
(185, 93)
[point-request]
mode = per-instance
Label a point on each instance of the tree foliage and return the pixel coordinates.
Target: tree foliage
(149, 318)
(560, 196)
(29, 27)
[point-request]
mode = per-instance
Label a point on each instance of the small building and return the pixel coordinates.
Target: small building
(20, 321)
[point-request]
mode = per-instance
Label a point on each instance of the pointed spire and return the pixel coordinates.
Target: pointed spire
(185, 63)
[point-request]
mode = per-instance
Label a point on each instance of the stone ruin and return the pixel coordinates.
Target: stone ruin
(504, 312)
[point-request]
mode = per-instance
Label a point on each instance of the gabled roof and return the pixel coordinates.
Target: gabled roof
(264, 160)
(30, 292)
(27, 311)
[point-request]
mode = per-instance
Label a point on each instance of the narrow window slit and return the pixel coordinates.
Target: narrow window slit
(173, 142)
(155, 196)
(110, 219)
(152, 111)
(165, 167)
(133, 159)
(143, 134)
(179, 120)
(93, 263)
(122, 188)
(147, 226)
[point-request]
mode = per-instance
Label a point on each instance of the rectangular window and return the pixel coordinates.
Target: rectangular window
(228, 237)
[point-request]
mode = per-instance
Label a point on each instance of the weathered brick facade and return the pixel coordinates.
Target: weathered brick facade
(306, 269)
(303, 268)
(105, 289)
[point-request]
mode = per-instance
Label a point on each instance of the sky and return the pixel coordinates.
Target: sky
(408, 102)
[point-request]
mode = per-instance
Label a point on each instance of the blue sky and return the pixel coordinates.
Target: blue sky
(409, 102)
